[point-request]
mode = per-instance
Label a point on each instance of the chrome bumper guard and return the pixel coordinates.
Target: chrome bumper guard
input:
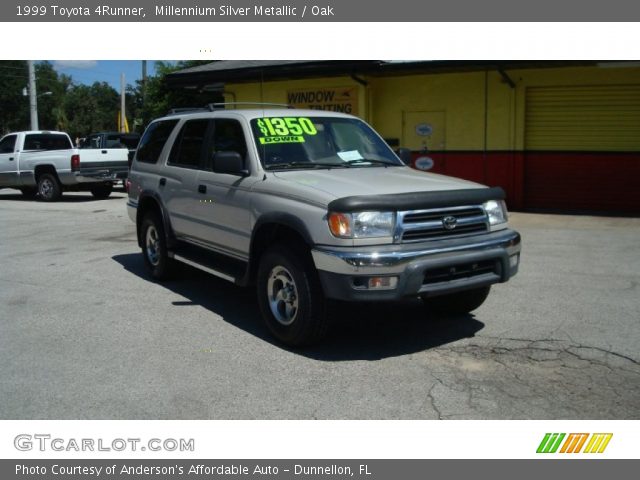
(429, 268)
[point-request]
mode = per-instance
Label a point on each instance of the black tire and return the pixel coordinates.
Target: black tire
(290, 296)
(102, 191)
(457, 303)
(49, 188)
(29, 192)
(154, 247)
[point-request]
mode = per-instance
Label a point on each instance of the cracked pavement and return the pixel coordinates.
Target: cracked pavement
(85, 334)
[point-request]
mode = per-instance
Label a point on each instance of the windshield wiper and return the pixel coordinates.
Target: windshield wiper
(286, 165)
(368, 160)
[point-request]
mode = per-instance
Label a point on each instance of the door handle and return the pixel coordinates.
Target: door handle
(202, 188)
(11, 159)
(163, 182)
(104, 151)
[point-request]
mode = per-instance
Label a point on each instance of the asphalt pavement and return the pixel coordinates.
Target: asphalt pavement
(86, 334)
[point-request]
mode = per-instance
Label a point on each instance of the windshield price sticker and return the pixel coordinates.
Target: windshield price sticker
(283, 139)
(285, 129)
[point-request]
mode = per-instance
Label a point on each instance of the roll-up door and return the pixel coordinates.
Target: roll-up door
(583, 148)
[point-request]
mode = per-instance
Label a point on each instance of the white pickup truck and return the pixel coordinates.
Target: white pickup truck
(45, 163)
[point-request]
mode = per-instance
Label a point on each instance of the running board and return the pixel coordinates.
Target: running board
(221, 266)
(204, 268)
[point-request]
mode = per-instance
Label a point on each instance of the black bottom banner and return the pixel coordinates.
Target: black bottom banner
(540, 469)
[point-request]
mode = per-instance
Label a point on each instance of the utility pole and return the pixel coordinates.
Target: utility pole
(144, 91)
(122, 112)
(33, 98)
(144, 79)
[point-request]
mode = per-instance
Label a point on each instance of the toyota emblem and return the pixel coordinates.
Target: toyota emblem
(449, 223)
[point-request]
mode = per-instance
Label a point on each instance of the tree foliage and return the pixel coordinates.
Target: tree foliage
(14, 107)
(80, 109)
(158, 98)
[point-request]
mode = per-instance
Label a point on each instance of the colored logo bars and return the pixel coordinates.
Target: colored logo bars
(574, 443)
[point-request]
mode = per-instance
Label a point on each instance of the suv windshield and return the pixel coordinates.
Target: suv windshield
(319, 142)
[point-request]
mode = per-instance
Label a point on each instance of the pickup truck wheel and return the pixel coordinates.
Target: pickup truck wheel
(154, 248)
(290, 297)
(457, 303)
(102, 191)
(49, 189)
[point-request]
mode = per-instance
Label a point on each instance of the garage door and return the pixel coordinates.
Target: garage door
(583, 148)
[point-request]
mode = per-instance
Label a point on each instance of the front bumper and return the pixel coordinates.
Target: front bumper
(429, 268)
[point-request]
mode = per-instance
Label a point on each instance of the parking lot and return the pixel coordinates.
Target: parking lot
(84, 333)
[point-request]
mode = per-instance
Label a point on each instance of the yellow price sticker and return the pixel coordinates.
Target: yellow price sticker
(286, 126)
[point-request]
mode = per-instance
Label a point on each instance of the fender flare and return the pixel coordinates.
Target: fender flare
(166, 222)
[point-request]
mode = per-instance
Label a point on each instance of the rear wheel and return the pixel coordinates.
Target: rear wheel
(290, 296)
(154, 247)
(49, 188)
(457, 303)
(102, 191)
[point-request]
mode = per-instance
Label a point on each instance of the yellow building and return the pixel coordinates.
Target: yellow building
(554, 135)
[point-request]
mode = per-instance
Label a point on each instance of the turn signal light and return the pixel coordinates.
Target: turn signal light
(340, 225)
(382, 283)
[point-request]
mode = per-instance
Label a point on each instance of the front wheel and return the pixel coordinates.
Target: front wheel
(457, 303)
(102, 191)
(290, 296)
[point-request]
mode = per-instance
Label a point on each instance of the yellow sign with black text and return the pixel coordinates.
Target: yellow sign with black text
(332, 99)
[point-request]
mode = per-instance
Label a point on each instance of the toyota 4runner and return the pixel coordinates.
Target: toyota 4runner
(312, 206)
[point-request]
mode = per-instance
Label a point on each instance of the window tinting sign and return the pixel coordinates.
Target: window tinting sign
(332, 99)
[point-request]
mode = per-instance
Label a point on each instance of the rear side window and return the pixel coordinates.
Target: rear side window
(188, 147)
(153, 140)
(91, 142)
(46, 141)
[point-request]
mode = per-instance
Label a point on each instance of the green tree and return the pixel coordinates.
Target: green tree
(14, 107)
(159, 98)
(51, 89)
(90, 109)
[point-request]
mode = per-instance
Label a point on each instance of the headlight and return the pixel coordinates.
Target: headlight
(362, 224)
(497, 211)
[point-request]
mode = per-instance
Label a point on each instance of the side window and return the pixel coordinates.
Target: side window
(8, 144)
(188, 148)
(227, 137)
(113, 141)
(91, 142)
(153, 140)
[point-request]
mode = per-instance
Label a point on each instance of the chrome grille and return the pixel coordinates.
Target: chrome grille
(419, 225)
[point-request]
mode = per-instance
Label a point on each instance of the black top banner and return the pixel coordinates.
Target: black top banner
(318, 11)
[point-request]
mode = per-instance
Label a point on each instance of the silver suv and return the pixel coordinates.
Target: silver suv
(312, 206)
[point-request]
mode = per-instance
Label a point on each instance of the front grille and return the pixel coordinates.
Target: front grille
(457, 272)
(429, 224)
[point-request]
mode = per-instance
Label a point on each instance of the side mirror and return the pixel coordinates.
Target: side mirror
(405, 155)
(229, 162)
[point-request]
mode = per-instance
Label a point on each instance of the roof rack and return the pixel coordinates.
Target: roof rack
(176, 111)
(222, 105)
